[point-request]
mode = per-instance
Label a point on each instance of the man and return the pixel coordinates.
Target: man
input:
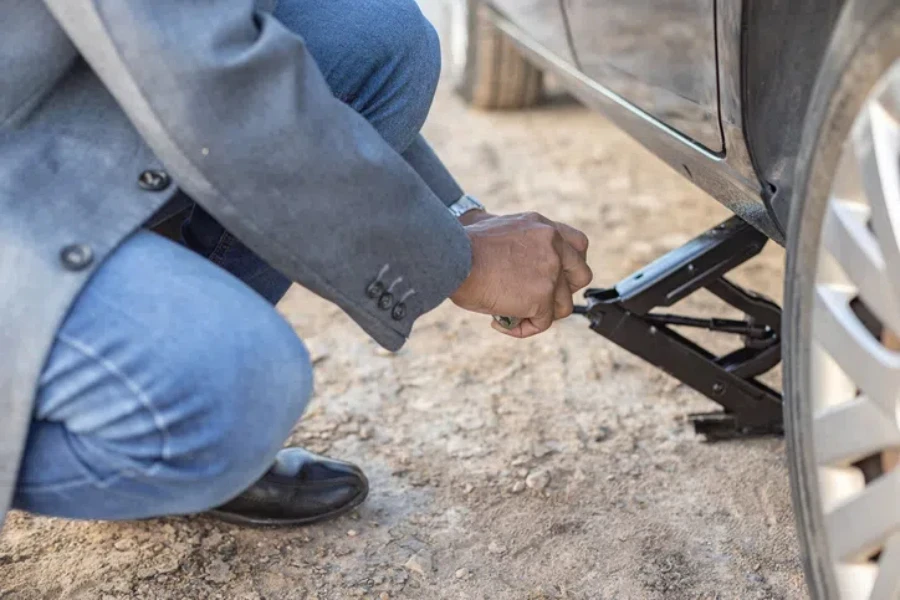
(141, 377)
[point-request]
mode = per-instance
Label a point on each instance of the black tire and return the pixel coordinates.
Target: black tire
(865, 45)
(490, 73)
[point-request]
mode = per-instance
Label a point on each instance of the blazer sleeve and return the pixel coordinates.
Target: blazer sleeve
(236, 109)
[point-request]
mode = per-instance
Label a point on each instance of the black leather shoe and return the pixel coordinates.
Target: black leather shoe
(300, 488)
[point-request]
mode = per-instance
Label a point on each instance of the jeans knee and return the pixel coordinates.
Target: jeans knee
(411, 40)
(382, 57)
(170, 389)
(246, 417)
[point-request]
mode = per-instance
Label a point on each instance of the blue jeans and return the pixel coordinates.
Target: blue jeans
(173, 382)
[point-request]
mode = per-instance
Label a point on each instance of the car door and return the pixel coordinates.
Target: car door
(659, 55)
(542, 20)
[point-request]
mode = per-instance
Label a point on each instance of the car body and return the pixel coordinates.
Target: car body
(719, 91)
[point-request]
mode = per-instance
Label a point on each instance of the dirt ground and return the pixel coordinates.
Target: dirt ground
(558, 467)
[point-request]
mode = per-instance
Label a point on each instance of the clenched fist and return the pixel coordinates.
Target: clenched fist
(523, 266)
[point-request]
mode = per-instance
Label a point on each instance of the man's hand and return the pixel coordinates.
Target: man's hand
(523, 266)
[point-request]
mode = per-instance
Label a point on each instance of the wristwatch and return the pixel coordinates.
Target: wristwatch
(465, 204)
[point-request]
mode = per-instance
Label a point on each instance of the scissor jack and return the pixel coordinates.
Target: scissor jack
(625, 315)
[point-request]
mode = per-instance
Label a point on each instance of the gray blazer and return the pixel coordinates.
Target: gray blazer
(229, 103)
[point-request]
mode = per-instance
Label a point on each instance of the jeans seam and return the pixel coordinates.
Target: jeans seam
(102, 483)
(129, 383)
(217, 256)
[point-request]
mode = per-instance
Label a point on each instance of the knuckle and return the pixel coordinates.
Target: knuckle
(584, 278)
(546, 232)
(583, 241)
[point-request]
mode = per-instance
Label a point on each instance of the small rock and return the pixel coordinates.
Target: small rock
(462, 573)
(517, 487)
(218, 572)
(540, 450)
(495, 548)
(170, 565)
(400, 577)
(418, 479)
(384, 596)
(468, 489)
(123, 545)
(318, 353)
(522, 472)
(352, 533)
(538, 480)
(420, 563)
(601, 434)
(365, 432)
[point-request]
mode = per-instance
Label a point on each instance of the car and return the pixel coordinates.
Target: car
(788, 113)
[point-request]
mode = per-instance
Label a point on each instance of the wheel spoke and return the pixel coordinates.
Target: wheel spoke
(877, 147)
(887, 585)
(860, 526)
(873, 368)
(853, 246)
(889, 98)
(853, 430)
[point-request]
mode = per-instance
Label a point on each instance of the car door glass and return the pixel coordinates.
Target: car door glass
(660, 55)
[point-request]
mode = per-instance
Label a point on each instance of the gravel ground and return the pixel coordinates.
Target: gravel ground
(558, 467)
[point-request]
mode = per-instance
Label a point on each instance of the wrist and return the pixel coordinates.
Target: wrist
(474, 216)
(461, 296)
(467, 209)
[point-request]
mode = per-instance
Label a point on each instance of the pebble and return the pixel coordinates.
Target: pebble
(495, 548)
(517, 487)
(468, 489)
(352, 533)
(384, 596)
(522, 472)
(462, 573)
(218, 572)
(538, 480)
(540, 450)
(601, 434)
(420, 563)
(123, 545)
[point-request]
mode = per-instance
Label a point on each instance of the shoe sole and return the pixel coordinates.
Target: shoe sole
(262, 522)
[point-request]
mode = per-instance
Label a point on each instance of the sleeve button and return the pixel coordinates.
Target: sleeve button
(399, 312)
(386, 301)
(375, 289)
(76, 257)
(154, 180)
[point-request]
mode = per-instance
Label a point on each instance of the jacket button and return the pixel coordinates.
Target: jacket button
(386, 301)
(399, 312)
(76, 257)
(375, 289)
(154, 180)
